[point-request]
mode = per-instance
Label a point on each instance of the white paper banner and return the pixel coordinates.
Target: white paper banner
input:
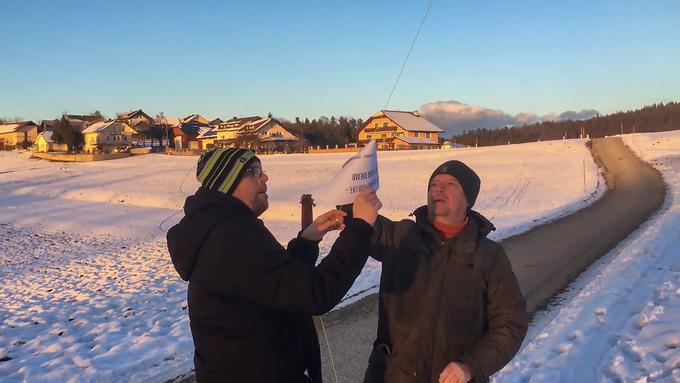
(358, 173)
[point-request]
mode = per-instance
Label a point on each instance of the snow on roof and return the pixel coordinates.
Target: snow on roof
(97, 127)
(47, 135)
(258, 123)
(9, 128)
(417, 140)
(411, 121)
(130, 114)
(236, 124)
(171, 121)
(207, 133)
(101, 126)
(14, 127)
(194, 118)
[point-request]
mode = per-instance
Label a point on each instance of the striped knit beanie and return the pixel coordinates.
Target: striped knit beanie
(221, 169)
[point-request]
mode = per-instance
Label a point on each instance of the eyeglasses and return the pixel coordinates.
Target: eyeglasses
(255, 172)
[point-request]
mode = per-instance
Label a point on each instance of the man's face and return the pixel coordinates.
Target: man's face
(446, 201)
(252, 189)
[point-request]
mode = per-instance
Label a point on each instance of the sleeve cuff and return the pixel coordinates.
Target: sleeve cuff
(477, 374)
(307, 241)
(361, 227)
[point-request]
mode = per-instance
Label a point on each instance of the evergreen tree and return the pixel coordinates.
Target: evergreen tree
(67, 134)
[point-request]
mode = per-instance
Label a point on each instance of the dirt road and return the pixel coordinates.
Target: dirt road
(544, 259)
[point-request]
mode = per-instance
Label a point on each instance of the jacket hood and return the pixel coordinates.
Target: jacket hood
(483, 225)
(202, 212)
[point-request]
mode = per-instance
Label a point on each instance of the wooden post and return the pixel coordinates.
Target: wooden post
(584, 175)
(307, 216)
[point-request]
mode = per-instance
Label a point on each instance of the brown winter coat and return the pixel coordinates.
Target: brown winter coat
(443, 301)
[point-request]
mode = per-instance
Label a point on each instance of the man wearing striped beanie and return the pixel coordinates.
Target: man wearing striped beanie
(221, 170)
(250, 299)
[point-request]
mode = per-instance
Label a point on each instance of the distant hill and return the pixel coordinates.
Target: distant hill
(653, 118)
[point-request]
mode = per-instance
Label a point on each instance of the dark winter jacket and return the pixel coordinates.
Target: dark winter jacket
(443, 301)
(251, 300)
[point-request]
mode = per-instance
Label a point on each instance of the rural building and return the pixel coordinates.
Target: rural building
(398, 130)
(135, 117)
(107, 137)
(44, 143)
(20, 134)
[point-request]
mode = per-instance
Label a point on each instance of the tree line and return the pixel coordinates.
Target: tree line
(652, 118)
(325, 131)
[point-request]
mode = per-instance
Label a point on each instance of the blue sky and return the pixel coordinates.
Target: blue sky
(313, 58)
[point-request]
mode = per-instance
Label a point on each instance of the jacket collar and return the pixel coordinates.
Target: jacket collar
(478, 227)
(206, 197)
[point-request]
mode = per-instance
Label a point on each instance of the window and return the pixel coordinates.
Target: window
(375, 125)
(368, 136)
(385, 124)
(399, 134)
(384, 135)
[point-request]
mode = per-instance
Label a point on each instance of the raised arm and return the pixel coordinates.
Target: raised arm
(276, 279)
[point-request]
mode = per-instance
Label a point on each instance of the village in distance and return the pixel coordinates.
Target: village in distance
(94, 137)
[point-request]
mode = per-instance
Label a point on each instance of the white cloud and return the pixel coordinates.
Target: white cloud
(454, 117)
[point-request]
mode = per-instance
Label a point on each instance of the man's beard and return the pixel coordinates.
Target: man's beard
(260, 204)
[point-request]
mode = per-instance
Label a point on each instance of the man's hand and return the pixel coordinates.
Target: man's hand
(366, 206)
(330, 220)
(455, 372)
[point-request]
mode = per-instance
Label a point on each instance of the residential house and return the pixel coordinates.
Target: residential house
(48, 125)
(168, 124)
(268, 135)
(206, 139)
(185, 135)
(228, 131)
(20, 134)
(89, 118)
(107, 137)
(52, 125)
(45, 143)
(451, 145)
(195, 118)
(135, 117)
(398, 130)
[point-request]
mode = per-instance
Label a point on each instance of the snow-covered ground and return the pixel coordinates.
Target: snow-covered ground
(88, 292)
(621, 322)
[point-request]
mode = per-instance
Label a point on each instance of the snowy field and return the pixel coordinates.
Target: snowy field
(622, 320)
(88, 290)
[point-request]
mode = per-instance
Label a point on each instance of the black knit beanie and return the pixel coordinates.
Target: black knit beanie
(467, 178)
